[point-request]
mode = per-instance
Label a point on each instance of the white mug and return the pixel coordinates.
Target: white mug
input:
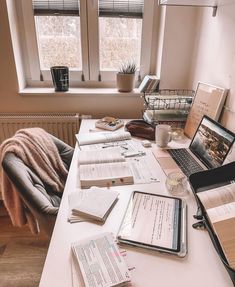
(162, 135)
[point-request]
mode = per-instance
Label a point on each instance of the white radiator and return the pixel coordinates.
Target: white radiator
(62, 125)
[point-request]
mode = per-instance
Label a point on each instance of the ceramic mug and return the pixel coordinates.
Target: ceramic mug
(162, 135)
(60, 78)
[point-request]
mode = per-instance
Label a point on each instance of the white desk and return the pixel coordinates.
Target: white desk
(201, 267)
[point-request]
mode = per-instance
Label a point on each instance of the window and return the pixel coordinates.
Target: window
(59, 41)
(120, 41)
(120, 27)
(92, 38)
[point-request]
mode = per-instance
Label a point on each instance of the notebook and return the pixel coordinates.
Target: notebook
(208, 149)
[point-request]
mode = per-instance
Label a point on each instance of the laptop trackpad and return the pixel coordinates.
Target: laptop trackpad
(166, 161)
(168, 165)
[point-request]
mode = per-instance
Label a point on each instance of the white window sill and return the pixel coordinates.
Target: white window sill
(32, 91)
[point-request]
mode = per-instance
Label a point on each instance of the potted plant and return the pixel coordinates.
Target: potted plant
(126, 77)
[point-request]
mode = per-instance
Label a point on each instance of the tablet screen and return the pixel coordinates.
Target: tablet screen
(152, 221)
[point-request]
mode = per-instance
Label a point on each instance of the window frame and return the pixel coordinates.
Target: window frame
(89, 23)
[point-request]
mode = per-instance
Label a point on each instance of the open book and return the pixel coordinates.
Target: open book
(113, 154)
(220, 207)
(95, 203)
(101, 137)
(102, 168)
(97, 261)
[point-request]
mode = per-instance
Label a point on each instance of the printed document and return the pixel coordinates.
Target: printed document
(100, 262)
(144, 169)
(220, 207)
(217, 196)
(128, 148)
(143, 165)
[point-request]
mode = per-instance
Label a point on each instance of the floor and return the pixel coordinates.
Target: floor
(22, 254)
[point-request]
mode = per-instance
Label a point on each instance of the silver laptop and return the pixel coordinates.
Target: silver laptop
(208, 149)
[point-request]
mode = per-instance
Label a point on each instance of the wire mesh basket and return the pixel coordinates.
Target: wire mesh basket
(168, 106)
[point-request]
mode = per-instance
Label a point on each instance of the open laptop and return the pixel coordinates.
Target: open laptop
(208, 149)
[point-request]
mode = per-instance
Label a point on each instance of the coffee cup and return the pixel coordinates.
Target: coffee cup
(60, 78)
(162, 135)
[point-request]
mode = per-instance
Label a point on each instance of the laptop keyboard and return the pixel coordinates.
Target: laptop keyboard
(185, 161)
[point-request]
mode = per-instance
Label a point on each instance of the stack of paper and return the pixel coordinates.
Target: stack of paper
(92, 204)
(97, 261)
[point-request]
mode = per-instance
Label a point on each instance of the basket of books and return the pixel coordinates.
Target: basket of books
(168, 107)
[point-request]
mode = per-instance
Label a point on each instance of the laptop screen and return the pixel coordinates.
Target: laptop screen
(211, 143)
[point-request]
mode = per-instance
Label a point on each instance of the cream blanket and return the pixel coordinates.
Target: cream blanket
(37, 150)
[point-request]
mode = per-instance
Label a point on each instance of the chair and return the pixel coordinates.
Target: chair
(37, 197)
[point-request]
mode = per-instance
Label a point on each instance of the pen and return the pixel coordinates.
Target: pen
(124, 147)
(134, 154)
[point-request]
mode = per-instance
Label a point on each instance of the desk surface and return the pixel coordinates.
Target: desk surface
(201, 266)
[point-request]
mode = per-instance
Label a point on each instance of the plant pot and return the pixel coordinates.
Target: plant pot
(125, 82)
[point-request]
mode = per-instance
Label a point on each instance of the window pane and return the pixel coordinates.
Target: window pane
(59, 41)
(120, 41)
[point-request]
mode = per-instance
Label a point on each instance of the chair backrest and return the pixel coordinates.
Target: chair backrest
(36, 195)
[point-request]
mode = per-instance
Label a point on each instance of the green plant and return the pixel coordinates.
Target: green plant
(129, 68)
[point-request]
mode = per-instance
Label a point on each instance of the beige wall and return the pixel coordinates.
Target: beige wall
(8, 79)
(179, 35)
(214, 54)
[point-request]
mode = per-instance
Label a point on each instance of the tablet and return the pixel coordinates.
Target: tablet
(155, 222)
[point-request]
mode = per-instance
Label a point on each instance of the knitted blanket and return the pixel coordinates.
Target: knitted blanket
(37, 150)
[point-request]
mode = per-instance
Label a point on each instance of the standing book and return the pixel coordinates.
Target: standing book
(149, 84)
(105, 168)
(209, 100)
